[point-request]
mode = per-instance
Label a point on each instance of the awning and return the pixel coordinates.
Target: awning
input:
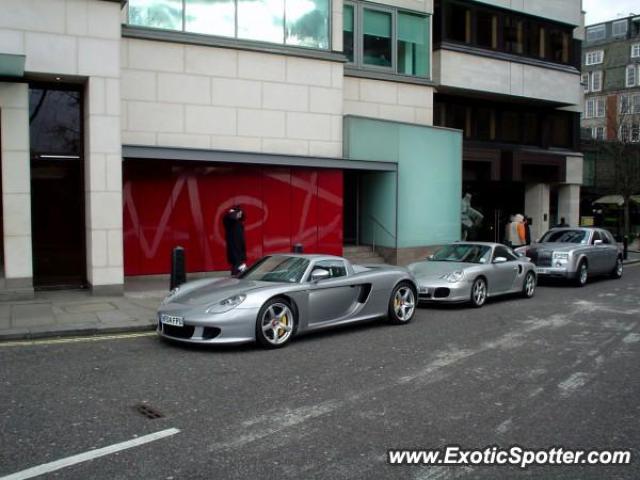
(615, 200)
(11, 65)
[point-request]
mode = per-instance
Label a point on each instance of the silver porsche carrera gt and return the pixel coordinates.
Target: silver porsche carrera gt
(472, 272)
(284, 295)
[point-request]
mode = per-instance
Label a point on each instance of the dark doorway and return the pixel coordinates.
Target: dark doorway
(351, 207)
(57, 188)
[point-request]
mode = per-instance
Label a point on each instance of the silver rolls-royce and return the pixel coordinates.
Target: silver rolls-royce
(576, 254)
(281, 296)
(472, 272)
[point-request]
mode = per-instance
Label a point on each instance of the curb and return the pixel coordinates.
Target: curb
(75, 332)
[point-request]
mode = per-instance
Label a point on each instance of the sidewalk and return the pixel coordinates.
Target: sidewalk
(67, 313)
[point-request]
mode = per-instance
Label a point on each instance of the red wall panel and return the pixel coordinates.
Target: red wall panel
(168, 204)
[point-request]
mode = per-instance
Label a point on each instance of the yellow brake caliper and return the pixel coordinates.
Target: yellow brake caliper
(285, 322)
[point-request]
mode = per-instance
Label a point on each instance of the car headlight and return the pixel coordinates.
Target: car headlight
(226, 304)
(170, 296)
(560, 256)
(453, 277)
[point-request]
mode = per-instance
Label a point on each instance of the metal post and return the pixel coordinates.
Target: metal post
(625, 246)
(178, 268)
(297, 248)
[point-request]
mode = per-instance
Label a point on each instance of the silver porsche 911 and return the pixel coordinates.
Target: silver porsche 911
(472, 272)
(284, 295)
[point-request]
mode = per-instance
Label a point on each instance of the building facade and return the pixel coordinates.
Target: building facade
(130, 127)
(611, 80)
(508, 76)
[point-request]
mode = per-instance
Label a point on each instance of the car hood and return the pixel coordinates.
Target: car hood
(554, 247)
(430, 269)
(212, 291)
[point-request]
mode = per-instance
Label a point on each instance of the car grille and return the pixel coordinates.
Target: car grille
(178, 332)
(540, 258)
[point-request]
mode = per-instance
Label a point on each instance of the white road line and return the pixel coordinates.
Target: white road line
(90, 455)
(93, 338)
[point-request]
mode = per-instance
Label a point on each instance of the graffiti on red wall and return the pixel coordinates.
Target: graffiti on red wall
(168, 204)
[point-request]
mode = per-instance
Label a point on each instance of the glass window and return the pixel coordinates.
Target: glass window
(348, 31)
(55, 122)
(165, 14)
(531, 129)
(212, 17)
(510, 127)
(308, 23)
(261, 20)
(600, 107)
(336, 268)
(635, 50)
(594, 58)
(565, 236)
(596, 81)
(585, 82)
(501, 251)
(513, 35)
(462, 252)
(619, 28)
(413, 44)
(458, 23)
(486, 29)
(598, 32)
(596, 236)
(377, 38)
(278, 268)
(630, 80)
(590, 108)
(483, 123)
(560, 130)
(625, 104)
(636, 104)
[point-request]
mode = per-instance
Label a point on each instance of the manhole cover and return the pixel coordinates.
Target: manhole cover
(148, 411)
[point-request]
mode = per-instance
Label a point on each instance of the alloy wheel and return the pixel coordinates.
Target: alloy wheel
(479, 292)
(404, 303)
(277, 323)
(530, 285)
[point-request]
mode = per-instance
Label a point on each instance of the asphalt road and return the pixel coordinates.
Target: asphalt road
(561, 369)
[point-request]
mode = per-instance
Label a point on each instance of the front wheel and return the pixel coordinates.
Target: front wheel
(478, 292)
(617, 271)
(582, 275)
(529, 286)
(402, 304)
(275, 323)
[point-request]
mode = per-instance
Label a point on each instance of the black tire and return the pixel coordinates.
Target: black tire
(478, 292)
(529, 290)
(402, 304)
(280, 333)
(617, 270)
(582, 274)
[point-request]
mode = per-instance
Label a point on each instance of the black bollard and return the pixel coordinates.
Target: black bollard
(178, 268)
(625, 247)
(297, 248)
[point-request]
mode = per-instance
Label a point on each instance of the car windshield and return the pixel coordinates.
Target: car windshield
(565, 236)
(277, 268)
(463, 253)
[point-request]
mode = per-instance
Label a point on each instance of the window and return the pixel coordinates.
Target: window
(458, 23)
(595, 237)
(636, 104)
(413, 45)
(625, 132)
(597, 133)
(600, 107)
(513, 35)
(486, 29)
(635, 133)
(596, 33)
(596, 81)
(348, 31)
(385, 38)
(336, 268)
(594, 58)
(504, 252)
(296, 23)
(631, 76)
(635, 50)
(590, 108)
(376, 43)
(619, 28)
(625, 104)
(585, 82)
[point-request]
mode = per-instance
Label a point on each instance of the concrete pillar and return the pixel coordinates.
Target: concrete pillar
(103, 185)
(536, 206)
(569, 204)
(16, 186)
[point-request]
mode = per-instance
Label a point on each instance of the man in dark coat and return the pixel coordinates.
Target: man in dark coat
(233, 222)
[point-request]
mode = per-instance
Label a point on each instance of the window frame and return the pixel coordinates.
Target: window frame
(634, 69)
(599, 59)
(600, 112)
(358, 40)
(635, 50)
(615, 23)
(595, 133)
(590, 102)
(600, 75)
(594, 28)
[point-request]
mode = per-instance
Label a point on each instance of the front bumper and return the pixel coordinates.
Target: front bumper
(555, 272)
(233, 327)
(441, 291)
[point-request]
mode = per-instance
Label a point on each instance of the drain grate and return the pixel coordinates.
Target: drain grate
(148, 411)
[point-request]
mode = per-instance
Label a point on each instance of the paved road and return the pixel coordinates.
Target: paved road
(560, 369)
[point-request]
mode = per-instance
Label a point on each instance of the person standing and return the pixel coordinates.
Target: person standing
(527, 231)
(517, 231)
(233, 222)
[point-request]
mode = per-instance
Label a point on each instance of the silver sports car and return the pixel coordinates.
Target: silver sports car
(472, 272)
(285, 295)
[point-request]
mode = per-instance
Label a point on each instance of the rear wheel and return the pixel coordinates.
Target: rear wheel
(529, 286)
(275, 323)
(582, 275)
(479, 292)
(402, 304)
(617, 270)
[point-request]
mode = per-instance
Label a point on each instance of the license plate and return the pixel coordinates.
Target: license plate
(542, 270)
(172, 320)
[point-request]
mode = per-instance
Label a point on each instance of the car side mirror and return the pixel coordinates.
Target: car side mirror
(319, 274)
(520, 254)
(430, 257)
(500, 260)
(597, 242)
